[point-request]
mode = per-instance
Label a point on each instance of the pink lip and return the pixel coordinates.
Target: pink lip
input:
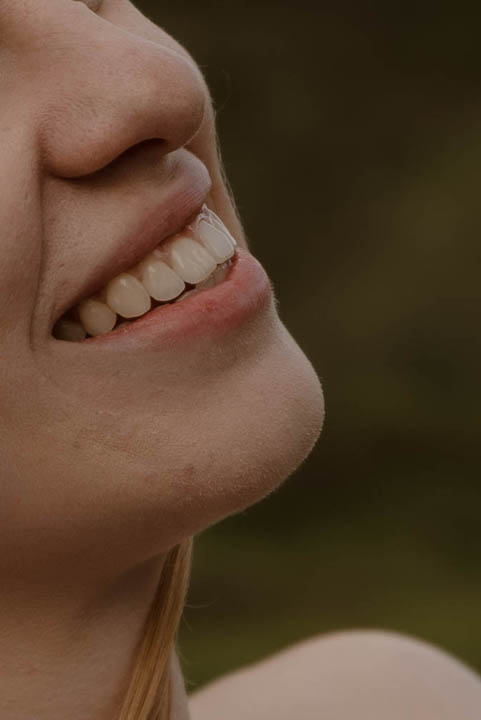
(207, 313)
(180, 201)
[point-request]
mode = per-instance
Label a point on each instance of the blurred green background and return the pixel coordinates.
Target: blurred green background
(351, 136)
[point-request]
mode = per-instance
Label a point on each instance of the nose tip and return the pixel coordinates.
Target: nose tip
(112, 91)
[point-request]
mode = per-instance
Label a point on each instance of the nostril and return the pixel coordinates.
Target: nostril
(141, 147)
(142, 151)
(93, 5)
(136, 159)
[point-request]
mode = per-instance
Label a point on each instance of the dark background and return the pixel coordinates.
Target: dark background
(351, 135)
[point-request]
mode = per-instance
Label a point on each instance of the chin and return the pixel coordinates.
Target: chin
(261, 421)
(276, 426)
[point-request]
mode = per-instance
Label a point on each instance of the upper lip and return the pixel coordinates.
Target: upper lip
(179, 204)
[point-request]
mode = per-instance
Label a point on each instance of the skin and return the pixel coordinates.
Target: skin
(108, 460)
(359, 675)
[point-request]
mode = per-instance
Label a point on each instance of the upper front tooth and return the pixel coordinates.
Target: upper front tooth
(216, 241)
(160, 281)
(217, 222)
(127, 296)
(190, 259)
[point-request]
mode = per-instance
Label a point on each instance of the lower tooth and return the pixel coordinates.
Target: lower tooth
(222, 270)
(185, 295)
(210, 282)
(123, 324)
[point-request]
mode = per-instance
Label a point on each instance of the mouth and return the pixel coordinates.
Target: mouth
(198, 257)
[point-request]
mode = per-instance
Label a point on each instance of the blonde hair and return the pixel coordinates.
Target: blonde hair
(149, 695)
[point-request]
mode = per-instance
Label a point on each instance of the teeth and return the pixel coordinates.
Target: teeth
(127, 296)
(160, 281)
(66, 329)
(217, 276)
(187, 294)
(205, 284)
(217, 222)
(190, 260)
(96, 317)
(198, 257)
(215, 241)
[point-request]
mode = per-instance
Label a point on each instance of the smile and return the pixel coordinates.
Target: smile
(194, 259)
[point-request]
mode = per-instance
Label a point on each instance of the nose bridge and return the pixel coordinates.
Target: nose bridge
(100, 89)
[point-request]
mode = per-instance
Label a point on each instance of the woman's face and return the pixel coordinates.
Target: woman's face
(117, 446)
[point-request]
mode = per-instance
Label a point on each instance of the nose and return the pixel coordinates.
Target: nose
(99, 89)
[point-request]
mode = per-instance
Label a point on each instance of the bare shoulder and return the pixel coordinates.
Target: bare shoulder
(356, 675)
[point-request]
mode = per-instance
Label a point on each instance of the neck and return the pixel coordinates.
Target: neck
(68, 652)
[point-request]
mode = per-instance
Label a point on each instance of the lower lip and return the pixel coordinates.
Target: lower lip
(242, 295)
